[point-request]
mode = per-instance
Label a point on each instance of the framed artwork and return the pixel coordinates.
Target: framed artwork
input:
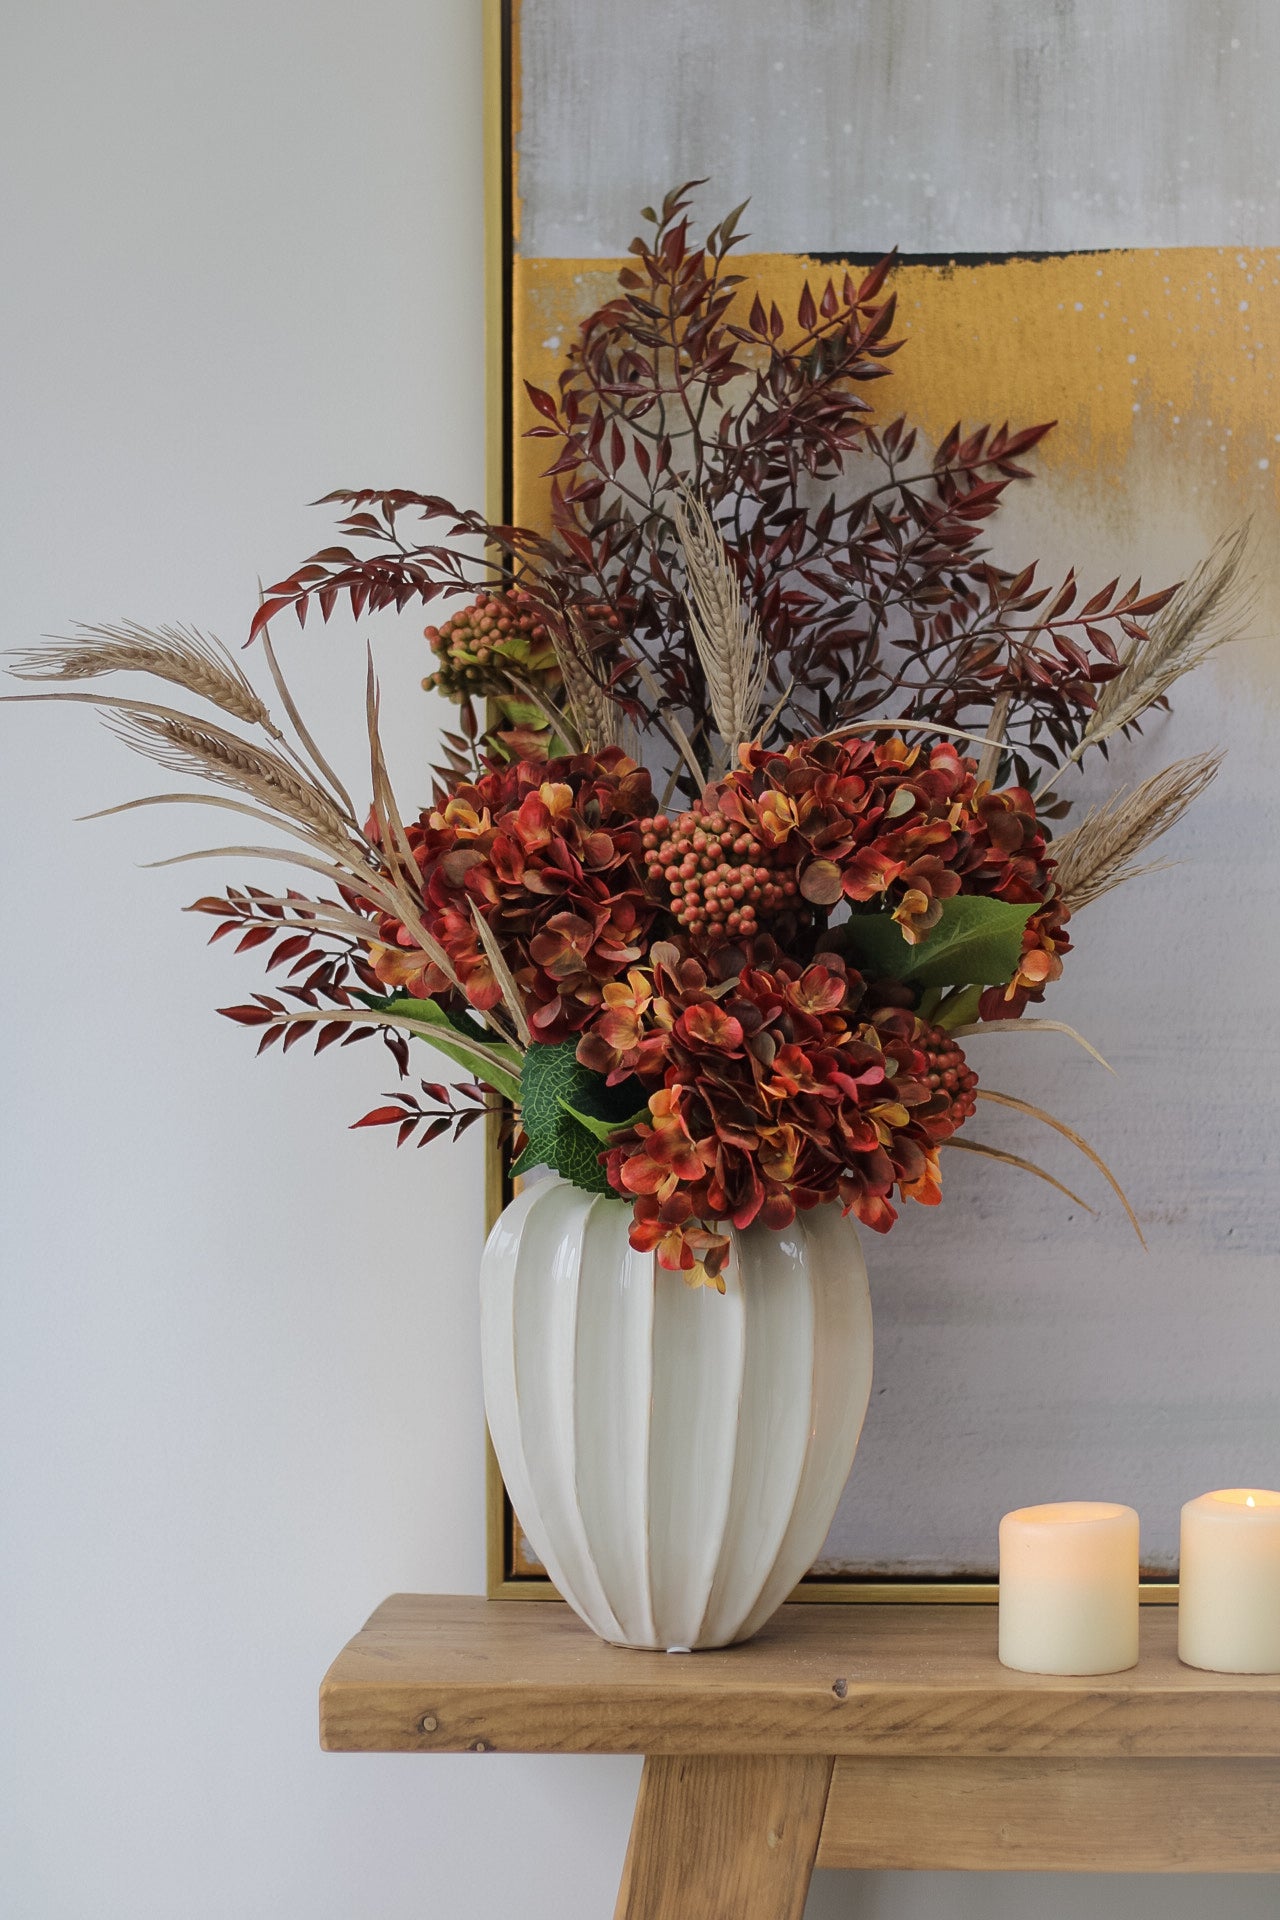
(1086, 214)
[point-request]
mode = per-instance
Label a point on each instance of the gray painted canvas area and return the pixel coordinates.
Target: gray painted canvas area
(1024, 1350)
(932, 125)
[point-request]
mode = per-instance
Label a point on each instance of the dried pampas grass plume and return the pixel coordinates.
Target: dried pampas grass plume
(201, 749)
(197, 662)
(1210, 610)
(1103, 851)
(728, 640)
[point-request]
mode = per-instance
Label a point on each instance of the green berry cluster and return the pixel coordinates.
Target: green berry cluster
(495, 631)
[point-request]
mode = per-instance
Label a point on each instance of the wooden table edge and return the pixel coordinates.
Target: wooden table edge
(483, 1686)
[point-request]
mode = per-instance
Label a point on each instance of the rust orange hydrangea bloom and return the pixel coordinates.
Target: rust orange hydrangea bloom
(776, 1089)
(546, 853)
(790, 835)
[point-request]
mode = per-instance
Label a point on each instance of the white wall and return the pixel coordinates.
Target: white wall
(240, 1385)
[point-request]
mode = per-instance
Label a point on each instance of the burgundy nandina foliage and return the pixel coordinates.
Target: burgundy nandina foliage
(547, 853)
(776, 1090)
(861, 554)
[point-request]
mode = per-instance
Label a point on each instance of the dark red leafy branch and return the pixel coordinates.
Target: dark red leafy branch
(859, 550)
(444, 1112)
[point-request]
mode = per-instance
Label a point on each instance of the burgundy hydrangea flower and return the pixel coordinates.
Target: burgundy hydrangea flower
(547, 852)
(774, 1090)
(791, 835)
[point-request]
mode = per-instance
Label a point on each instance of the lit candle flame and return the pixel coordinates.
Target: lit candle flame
(1250, 1501)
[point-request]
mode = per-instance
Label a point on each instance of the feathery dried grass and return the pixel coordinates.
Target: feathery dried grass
(197, 662)
(209, 752)
(1210, 610)
(728, 640)
(594, 715)
(1103, 851)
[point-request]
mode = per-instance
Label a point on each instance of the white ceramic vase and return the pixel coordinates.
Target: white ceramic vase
(674, 1455)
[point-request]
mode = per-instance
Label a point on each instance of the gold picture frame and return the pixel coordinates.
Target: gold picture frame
(510, 1573)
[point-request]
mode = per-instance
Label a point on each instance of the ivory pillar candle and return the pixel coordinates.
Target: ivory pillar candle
(1069, 1588)
(1229, 1598)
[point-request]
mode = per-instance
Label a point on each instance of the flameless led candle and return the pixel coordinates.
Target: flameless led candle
(1069, 1588)
(1229, 1598)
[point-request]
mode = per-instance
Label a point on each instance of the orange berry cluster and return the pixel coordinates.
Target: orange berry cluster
(491, 629)
(719, 877)
(949, 1072)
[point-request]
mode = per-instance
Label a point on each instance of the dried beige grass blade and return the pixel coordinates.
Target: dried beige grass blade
(678, 733)
(276, 820)
(1015, 1160)
(1103, 851)
(301, 729)
(322, 916)
(397, 855)
(387, 1017)
(766, 725)
(368, 881)
(372, 884)
(729, 643)
(1030, 1026)
(1077, 1141)
(345, 874)
(396, 851)
(502, 974)
(197, 662)
(995, 727)
(1208, 612)
(909, 726)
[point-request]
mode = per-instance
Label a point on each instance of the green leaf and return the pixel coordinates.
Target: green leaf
(522, 713)
(977, 941)
(958, 1010)
(605, 1129)
(494, 1061)
(567, 1111)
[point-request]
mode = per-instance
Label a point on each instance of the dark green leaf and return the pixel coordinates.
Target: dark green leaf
(977, 941)
(566, 1111)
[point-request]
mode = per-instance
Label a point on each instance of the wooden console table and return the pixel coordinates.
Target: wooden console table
(841, 1737)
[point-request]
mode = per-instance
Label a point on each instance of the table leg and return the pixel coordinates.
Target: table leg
(724, 1837)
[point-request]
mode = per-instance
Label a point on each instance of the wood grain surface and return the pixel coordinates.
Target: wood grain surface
(439, 1674)
(1055, 1815)
(723, 1838)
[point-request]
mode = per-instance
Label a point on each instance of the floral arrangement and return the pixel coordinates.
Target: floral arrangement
(753, 810)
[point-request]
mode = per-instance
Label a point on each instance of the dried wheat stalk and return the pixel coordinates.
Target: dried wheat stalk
(209, 752)
(195, 661)
(270, 789)
(1102, 851)
(727, 638)
(594, 715)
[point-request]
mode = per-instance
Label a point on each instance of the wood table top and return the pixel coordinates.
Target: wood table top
(433, 1673)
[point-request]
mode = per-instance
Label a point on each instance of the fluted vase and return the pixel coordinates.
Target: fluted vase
(674, 1455)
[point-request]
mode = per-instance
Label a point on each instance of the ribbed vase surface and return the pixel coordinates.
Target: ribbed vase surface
(674, 1455)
